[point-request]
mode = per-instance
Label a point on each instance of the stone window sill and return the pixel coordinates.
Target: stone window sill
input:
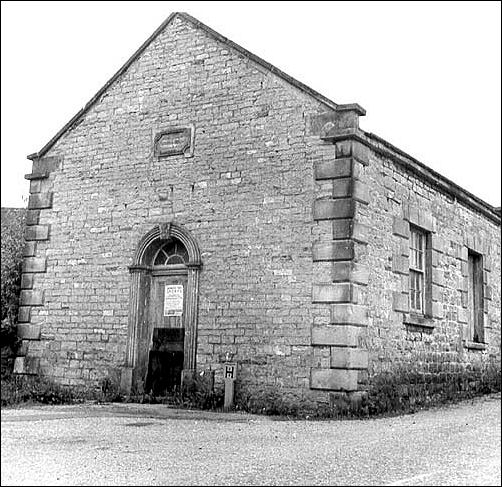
(474, 345)
(418, 320)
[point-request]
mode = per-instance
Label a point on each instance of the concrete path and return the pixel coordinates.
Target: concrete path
(131, 444)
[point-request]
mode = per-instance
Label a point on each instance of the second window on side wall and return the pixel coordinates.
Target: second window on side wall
(475, 295)
(418, 241)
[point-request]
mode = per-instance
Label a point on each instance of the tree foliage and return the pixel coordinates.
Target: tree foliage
(12, 244)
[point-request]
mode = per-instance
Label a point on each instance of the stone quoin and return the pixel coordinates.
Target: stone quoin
(205, 208)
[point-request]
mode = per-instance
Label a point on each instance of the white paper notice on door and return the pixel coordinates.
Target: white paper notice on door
(173, 300)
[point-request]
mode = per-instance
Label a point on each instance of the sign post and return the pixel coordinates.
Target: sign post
(229, 374)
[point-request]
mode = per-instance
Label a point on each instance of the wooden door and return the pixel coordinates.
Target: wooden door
(168, 301)
(167, 326)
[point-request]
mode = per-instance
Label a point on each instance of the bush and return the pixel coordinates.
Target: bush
(406, 390)
(197, 393)
(12, 243)
(26, 389)
(401, 390)
(270, 402)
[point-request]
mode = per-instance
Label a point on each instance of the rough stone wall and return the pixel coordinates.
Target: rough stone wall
(246, 196)
(439, 344)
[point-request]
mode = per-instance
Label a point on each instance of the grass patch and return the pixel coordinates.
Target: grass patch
(19, 390)
(400, 391)
(197, 393)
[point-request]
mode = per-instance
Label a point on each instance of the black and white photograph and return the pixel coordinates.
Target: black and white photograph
(251, 243)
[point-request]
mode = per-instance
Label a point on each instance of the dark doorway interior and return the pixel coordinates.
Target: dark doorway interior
(165, 361)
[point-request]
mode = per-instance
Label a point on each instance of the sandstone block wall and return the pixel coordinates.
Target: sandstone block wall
(246, 195)
(302, 224)
(439, 343)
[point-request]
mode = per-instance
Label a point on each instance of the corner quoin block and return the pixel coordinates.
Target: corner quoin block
(31, 298)
(37, 232)
(349, 358)
(34, 264)
(333, 379)
(333, 209)
(26, 365)
(332, 293)
(39, 201)
(333, 250)
(336, 335)
(28, 331)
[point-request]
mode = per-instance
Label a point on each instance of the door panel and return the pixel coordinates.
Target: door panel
(164, 372)
(166, 328)
(168, 293)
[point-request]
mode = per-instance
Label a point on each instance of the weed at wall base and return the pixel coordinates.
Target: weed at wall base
(25, 389)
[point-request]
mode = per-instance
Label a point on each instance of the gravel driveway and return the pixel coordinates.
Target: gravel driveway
(131, 444)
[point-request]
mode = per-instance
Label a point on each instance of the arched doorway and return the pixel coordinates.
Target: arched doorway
(162, 332)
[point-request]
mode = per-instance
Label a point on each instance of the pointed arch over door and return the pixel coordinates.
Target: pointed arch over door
(166, 260)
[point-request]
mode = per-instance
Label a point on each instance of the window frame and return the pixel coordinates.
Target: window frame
(420, 272)
(171, 250)
(475, 293)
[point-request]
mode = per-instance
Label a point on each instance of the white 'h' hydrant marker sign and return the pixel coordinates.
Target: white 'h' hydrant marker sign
(229, 374)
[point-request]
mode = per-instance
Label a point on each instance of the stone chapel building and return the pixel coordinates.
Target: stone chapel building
(204, 207)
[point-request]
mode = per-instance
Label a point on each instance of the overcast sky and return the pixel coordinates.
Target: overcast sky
(427, 73)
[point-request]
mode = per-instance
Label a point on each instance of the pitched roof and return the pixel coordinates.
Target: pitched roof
(297, 84)
(422, 169)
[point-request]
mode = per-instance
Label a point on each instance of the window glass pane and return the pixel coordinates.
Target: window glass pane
(420, 260)
(416, 290)
(171, 253)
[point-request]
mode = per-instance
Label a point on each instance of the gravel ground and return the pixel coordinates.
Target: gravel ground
(131, 444)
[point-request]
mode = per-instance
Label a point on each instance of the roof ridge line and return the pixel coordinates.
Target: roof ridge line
(208, 30)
